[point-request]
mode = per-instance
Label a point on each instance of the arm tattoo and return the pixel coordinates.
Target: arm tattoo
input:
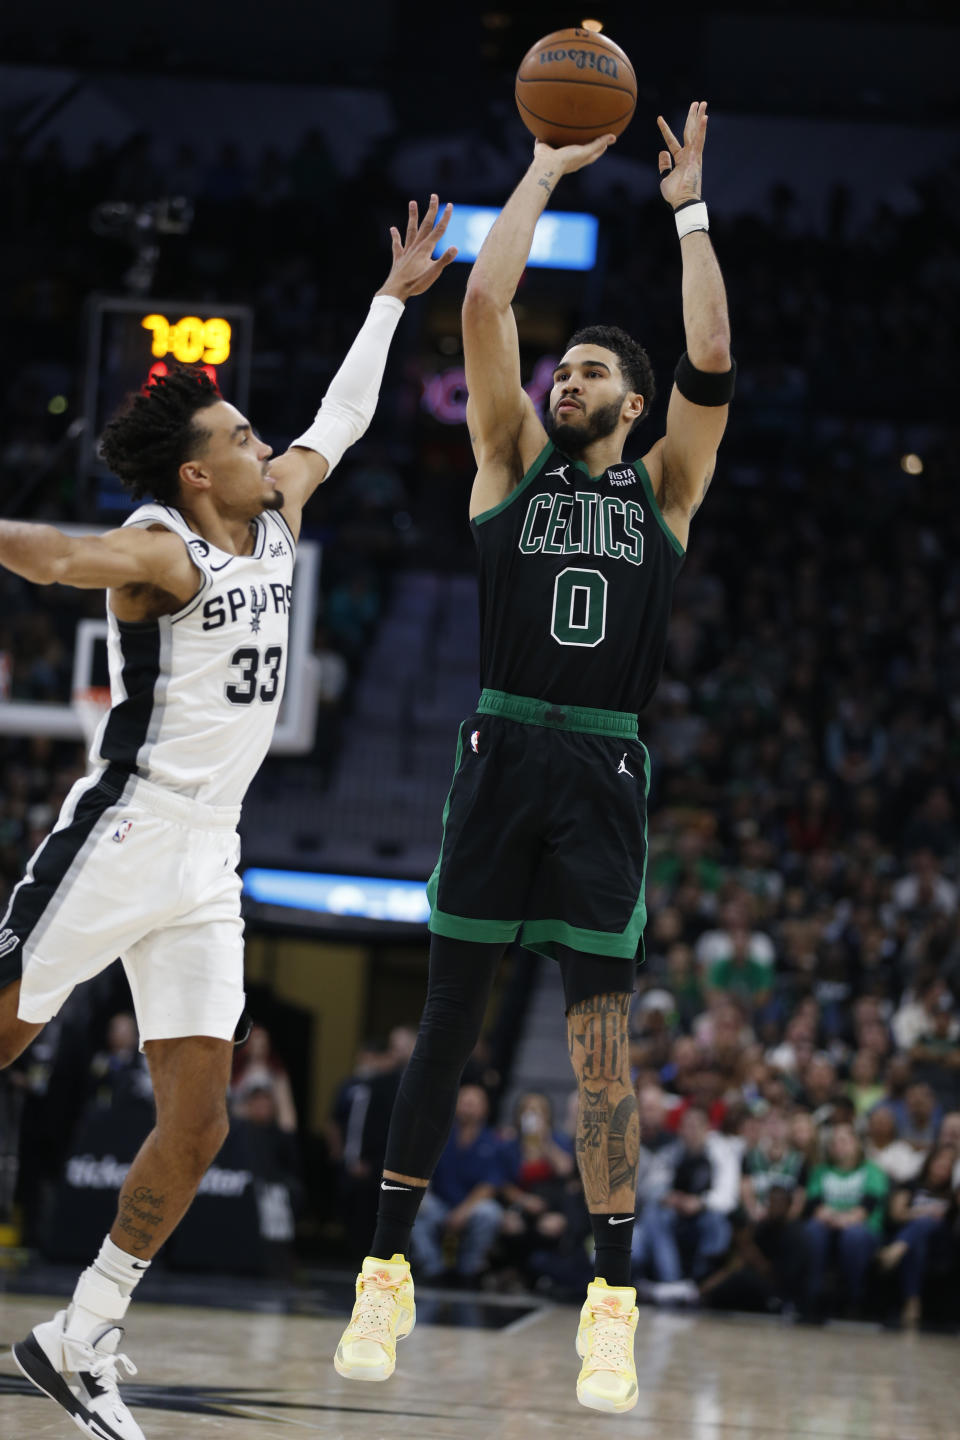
(545, 182)
(140, 1213)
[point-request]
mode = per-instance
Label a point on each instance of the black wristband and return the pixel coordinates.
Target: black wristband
(705, 387)
(697, 200)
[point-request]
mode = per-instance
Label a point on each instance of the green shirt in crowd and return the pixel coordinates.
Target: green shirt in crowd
(749, 980)
(846, 1189)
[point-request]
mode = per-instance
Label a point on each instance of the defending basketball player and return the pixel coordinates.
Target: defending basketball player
(142, 860)
(545, 827)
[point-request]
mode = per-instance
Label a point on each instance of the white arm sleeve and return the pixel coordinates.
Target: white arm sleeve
(348, 406)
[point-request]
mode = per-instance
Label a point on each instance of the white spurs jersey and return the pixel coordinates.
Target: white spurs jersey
(195, 695)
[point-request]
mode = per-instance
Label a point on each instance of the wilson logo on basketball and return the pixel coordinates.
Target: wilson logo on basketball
(583, 59)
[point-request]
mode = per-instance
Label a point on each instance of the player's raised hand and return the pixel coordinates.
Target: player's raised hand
(413, 270)
(681, 166)
(568, 158)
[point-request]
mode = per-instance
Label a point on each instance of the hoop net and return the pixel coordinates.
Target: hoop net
(90, 705)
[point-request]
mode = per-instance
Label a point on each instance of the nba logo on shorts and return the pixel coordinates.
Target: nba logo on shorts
(475, 742)
(122, 831)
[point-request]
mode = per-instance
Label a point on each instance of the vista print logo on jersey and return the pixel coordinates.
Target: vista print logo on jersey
(624, 476)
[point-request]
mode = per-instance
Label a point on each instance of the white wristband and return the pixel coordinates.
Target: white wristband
(691, 216)
(351, 398)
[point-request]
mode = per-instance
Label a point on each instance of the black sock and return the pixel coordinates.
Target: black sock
(396, 1213)
(612, 1235)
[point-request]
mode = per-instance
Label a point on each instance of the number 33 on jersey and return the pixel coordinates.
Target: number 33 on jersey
(195, 694)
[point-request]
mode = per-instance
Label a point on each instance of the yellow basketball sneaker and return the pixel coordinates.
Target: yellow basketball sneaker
(384, 1312)
(608, 1320)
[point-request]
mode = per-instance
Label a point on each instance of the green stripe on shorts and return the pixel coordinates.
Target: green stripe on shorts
(557, 717)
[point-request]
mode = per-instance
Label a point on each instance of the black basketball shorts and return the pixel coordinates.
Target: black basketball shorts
(545, 830)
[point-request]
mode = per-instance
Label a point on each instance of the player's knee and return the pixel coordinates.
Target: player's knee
(443, 1043)
(598, 1039)
(211, 1131)
(199, 1136)
(207, 1141)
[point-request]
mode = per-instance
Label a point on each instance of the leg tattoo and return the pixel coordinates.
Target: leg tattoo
(597, 1037)
(608, 1128)
(139, 1216)
(623, 1145)
(592, 1122)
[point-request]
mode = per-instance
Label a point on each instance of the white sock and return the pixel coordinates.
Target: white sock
(124, 1270)
(103, 1290)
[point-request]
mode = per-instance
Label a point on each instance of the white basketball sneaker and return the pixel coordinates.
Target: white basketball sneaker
(81, 1375)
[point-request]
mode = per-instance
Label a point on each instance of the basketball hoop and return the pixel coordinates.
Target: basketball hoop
(90, 705)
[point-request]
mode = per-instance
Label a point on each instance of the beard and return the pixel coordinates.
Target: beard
(273, 501)
(574, 439)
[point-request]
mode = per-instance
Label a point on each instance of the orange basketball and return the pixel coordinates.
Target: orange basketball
(574, 86)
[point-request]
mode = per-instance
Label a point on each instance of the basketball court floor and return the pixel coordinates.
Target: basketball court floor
(490, 1368)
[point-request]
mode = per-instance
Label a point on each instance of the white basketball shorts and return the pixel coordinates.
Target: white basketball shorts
(140, 873)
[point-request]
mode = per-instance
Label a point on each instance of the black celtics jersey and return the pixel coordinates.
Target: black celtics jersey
(576, 581)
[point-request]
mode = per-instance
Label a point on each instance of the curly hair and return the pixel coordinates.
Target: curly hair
(634, 361)
(148, 440)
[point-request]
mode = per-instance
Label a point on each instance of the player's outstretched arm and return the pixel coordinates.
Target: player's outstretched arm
(351, 399)
(505, 431)
(112, 561)
(682, 464)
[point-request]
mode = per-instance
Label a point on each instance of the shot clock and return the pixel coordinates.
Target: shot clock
(130, 340)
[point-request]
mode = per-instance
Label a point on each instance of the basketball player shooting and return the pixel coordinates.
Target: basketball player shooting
(142, 861)
(545, 826)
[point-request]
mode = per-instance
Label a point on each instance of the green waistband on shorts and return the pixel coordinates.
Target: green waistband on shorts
(557, 717)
